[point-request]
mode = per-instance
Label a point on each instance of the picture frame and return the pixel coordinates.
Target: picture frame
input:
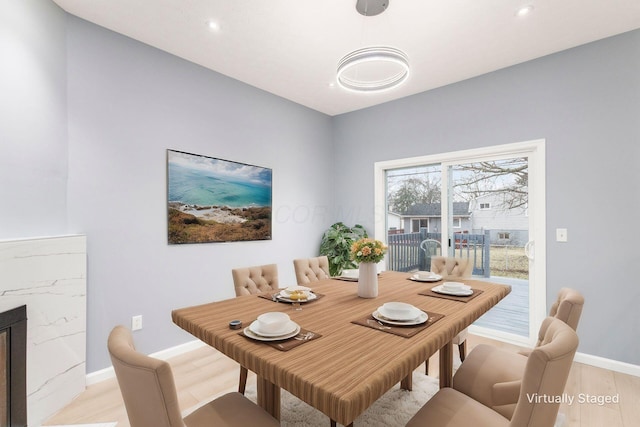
(216, 200)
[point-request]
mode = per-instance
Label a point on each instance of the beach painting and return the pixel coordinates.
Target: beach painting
(214, 200)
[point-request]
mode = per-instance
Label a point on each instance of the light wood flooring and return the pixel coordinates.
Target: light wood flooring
(204, 373)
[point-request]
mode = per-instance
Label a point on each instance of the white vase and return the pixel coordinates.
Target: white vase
(368, 280)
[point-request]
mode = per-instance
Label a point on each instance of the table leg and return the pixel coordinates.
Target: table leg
(269, 397)
(446, 365)
(407, 382)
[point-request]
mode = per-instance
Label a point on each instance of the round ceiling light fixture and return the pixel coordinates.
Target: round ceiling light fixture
(373, 69)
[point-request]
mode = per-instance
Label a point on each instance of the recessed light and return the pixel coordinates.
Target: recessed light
(524, 10)
(213, 25)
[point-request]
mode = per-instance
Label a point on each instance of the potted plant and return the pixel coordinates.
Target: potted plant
(336, 245)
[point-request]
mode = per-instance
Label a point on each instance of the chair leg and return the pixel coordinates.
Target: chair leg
(333, 423)
(426, 367)
(242, 384)
(462, 348)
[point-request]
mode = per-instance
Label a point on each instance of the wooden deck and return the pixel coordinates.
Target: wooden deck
(512, 313)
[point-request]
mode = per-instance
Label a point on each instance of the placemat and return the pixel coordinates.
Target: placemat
(272, 296)
(403, 331)
(430, 293)
(303, 336)
(346, 279)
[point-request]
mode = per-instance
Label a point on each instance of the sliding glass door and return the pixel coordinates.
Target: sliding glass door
(486, 205)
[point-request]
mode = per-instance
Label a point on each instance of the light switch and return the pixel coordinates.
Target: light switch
(561, 234)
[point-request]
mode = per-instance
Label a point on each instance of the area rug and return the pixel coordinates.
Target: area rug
(394, 409)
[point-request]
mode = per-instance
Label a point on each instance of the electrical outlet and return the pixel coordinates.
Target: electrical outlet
(136, 322)
(561, 234)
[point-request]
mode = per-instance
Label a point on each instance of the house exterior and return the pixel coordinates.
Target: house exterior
(506, 226)
(485, 213)
(429, 216)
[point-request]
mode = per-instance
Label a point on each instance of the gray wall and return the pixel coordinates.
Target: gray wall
(586, 103)
(33, 121)
(128, 103)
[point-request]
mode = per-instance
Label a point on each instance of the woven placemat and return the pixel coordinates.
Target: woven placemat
(304, 336)
(468, 298)
(403, 331)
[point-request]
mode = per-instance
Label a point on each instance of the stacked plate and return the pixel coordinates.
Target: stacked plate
(400, 313)
(272, 326)
(453, 288)
(296, 294)
(426, 276)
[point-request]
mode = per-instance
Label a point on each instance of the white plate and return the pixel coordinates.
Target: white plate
(433, 278)
(283, 297)
(462, 293)
(287, 329)
(423, 317)
(248, 332)
(411, 316)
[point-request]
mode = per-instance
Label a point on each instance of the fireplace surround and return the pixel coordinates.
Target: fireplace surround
(48, 275)
(13, 367)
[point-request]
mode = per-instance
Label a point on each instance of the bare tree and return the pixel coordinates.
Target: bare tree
(509, 178)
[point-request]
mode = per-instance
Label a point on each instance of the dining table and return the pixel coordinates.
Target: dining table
(347, 358)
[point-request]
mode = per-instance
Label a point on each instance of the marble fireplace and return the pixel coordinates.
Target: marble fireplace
(46, 278)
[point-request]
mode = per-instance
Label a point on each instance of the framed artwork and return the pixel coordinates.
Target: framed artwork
(215, 200)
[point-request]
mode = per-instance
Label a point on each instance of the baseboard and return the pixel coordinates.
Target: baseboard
(612, 365)
(106, 373)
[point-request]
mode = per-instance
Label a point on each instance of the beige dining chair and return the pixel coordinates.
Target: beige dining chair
(255, 280)
(451, 268)
(249, 281)
(311, 269)
(151, 400)
(546, 372)
(493, 376)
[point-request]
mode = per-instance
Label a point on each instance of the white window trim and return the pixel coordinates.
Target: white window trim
(535, 151)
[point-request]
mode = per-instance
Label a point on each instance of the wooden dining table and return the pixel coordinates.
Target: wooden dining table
(348, 365)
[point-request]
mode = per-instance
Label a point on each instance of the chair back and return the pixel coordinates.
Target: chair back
(146, 384)
(311, 269)
(451, 267)
(255, 280)
(545, 375)
(567, 307)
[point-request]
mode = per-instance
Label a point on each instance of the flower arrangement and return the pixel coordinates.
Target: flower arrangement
(368, 250)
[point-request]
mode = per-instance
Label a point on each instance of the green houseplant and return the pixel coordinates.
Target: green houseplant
(336, 245)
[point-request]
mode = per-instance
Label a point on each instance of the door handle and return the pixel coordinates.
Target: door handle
(530, 249)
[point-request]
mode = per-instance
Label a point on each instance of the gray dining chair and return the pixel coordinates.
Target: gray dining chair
(151, 400)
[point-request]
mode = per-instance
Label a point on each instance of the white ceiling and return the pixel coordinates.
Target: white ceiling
(291, 48)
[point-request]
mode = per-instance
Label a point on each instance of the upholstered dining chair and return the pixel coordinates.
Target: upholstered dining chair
(254, 280)
(150, 396)
(546, 372)
(451, 268)
(248, 281)
(498, 383)
(311, 269)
